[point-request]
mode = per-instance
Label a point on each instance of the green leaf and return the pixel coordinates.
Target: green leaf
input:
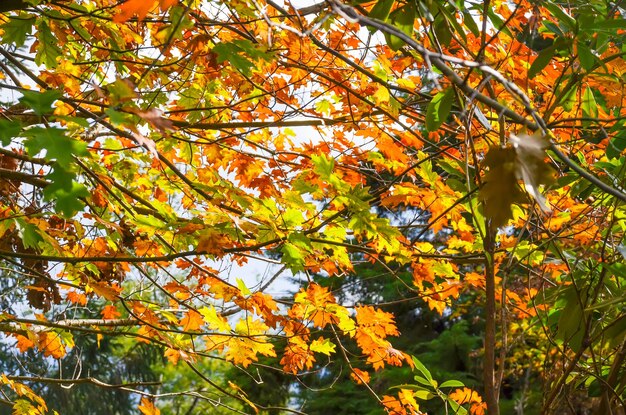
(439, 109)
(116, 118)
(558, 12)
(589, 104)
(17, 28)
(422, 369)
(542, 60)
(29, 233)
(606, 25)
(571, 326)
(65, 191)
(48, 50)
(236, 54)
(456, 408)
(452, 384)
(403, 20)
(69, 202)
(293, 257)
(8, 131)
(60, 179)
(40, 102)
(121, 90)
(324, 346)
(58, 146)
(380, 11)
(448, 23)
(242, 287)
(324, 165)
(617, 145)
(470, 23)
(585, 56)
(570, 98)
(423, 381)
(441, 30)
(423, 395)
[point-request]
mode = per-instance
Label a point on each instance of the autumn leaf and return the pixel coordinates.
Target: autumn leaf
(50, 344)
(500, 189)
(24, 343)
(166, 4)
(531, 165)
(109, 312)
(360, 376)
(139, 8)
(215, 321)
(322, 345)
(77, 298)
(156, 153)
(146, 407)
(108, 292)
(192, 321)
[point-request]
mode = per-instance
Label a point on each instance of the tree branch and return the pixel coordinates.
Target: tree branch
(72, 382)
(440, 61)
(12, 5)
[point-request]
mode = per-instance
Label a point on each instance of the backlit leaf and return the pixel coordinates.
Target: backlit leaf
(439, 109)
(402, 19)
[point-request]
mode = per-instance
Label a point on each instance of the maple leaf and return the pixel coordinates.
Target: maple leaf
(172, 355)
(215, 321)
(50, 344)
(23, 343)
(531, 167)
(146, 407)
(297, 356)
(109, 312)
(192, 321)
(130, 8)
(322, 345)
(500, 189)
(166, 4)
(360, 376)
(155, 118)
(109, 292)
(77, 298)
(244, 350)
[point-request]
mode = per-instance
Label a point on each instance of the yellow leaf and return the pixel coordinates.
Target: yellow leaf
(381, 95)
(406, 83)
(215, 321)
(242, 286)
(322, 345)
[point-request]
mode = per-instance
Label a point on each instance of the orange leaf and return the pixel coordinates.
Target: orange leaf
(109, 312)
(50, 344)
(24, 343)
(146, 407)
(172, 355)
(192, 321)
(360, 376)
(106, 291)
(77, 298)
(166, 4)
(132, 8)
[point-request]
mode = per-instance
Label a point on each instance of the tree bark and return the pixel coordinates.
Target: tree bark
(489, 363)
